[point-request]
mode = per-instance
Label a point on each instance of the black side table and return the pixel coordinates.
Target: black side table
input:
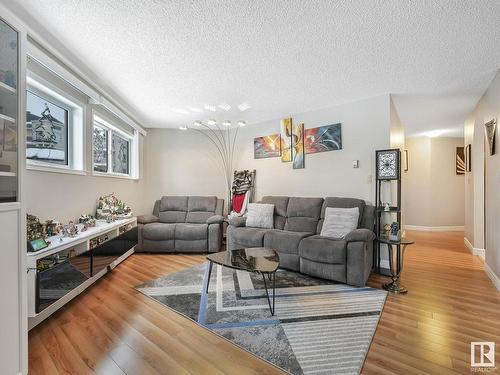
(396, 260)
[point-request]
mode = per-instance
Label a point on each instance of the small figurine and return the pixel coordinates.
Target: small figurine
(387, 207)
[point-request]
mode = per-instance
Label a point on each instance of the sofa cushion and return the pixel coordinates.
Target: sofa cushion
(260, 215)
(280, 205)
(247, 236)
(339, 202)
(204, 204)
(198, 217)
(185, 231)
(323, 249)
(174, 203)
(158, 231)
(303, 214)
(284, 241)
(172, 216)
(339, 222)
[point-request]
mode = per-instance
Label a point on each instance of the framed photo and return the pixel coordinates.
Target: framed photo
(460, 161)
(37, 245)
(468, 163)
(388, 164)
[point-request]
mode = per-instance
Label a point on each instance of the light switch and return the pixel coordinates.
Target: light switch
(355, 164)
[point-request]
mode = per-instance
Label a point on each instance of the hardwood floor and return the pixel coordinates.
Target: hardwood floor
(113, 329)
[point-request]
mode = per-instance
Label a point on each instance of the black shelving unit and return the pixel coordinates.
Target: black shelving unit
(394, 209)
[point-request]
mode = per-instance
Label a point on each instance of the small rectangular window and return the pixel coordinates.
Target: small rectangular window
(47, 125)
(100, 145)
(113, 150)
(120, 151)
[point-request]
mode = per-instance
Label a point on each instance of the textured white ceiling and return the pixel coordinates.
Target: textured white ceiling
(282, 56)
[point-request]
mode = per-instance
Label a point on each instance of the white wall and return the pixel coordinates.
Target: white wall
(435, 193)
(487, 108)
(65, 197)
(183, 162)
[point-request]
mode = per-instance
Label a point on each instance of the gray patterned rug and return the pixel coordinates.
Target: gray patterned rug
(319, 327)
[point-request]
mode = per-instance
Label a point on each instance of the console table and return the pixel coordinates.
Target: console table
(69, 265)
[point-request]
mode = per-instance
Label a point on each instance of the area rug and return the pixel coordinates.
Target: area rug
(319, 327)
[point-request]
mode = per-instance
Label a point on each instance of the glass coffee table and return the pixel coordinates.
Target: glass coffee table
(261, 260)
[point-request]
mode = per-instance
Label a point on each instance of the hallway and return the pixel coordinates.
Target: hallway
(451, 302)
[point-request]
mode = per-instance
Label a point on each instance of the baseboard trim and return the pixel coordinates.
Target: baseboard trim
(474, 250)
(494, 278)
(452, 228)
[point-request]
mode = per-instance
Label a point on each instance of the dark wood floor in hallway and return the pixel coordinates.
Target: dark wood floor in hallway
(113, 329)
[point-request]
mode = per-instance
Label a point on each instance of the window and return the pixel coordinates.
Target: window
(112, 149)
(47, 124)
(54, 128)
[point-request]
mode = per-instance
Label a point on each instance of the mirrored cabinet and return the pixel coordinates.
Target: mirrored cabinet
(9, 122)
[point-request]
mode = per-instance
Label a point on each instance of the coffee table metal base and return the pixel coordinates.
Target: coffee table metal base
(271, 276)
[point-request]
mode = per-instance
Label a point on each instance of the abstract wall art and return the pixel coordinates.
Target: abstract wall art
(298, 146)
(286, 139)
(268, 146)
(460, 161)
(323, 138)
(490, 128)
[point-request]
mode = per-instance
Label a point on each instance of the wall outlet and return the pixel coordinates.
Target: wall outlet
(355, 164)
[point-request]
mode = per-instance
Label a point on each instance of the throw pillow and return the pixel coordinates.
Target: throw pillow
(260, 215)
(339, 221)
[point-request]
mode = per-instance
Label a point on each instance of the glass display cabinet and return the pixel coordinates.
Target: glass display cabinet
(9, 122)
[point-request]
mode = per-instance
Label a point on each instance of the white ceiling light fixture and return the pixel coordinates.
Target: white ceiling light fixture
(180, 110)
(210, 108)
(197, 123)
(226, 123)
(242, 124)
(243, 107)
(226, 107)
(183, 127)
(195, 110)
(211, 122)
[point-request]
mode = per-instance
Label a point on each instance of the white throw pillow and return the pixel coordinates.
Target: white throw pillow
(339, 221)
(260, 215)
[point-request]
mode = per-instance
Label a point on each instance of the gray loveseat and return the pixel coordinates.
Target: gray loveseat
(296, 237)
(182, 224)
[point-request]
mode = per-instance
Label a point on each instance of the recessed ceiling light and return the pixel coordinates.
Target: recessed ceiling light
(183, 127)
(226, 123)
(194, 109)
(226, 107)
(242, 123)
(180, 110)
(197, 123)
(209, 107)
(211, 122)
(243, 107)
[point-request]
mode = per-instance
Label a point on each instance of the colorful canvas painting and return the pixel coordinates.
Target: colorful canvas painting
(286, 139)
(323, 138)
(298, 146)
(460, 161)
(268, 146)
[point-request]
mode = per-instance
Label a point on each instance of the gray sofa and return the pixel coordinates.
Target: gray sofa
(182, 224)
(296, 237)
